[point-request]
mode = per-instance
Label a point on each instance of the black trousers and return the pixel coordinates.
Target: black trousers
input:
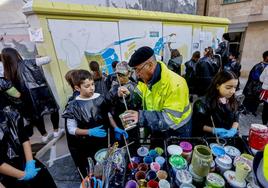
(265, 113)
(42, 180)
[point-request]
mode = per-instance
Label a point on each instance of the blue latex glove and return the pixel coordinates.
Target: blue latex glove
(97, 132)
(219, 132)
(30, 170)
(119, 132)
(230, 133)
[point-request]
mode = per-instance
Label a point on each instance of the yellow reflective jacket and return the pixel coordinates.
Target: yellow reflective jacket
(166, 104)
(265, 162)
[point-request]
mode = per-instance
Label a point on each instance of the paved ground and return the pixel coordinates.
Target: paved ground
(63, 169)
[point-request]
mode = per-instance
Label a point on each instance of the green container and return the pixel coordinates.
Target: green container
(214, 180)
(201, 160)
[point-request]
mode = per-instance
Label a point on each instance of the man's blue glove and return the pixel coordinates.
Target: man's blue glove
(97, 132)
(30, 170)
(230, 133)
(118, 132)
(219, 132)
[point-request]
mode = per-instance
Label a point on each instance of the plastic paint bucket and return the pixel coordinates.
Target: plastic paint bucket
(258, 136)
(183, 176)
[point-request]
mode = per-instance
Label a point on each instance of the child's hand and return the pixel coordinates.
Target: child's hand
(122, 91)
(97, 132)
(119, 132)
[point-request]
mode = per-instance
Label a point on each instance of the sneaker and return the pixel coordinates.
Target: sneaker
(58, 133)
(46, 138)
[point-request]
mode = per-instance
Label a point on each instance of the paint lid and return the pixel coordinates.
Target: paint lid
(214, 144)
(252, 185)
(232, 151)
(229, 175)
(258, 127)
(184, 176)
(217, 151)
(186, 146)
(153, 153)
(142, 151)
(224, 161)
(174, 150)
(215, 180)
(177, 162)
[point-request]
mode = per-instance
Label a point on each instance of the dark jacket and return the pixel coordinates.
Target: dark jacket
(175, 64)
(12, 136)
(100, 85)
(5, 99)
(223, 116)
(254, 86)
(223, 51)
(190, 75)
(233, 66)
(36, 94)
(206, 69)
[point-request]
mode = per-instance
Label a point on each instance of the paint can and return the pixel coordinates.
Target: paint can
(201, 160)
(232, 151)
(177, 162)
(258, 136)
(186, 150)
(223, 163)
(183, 176)
(214, 180)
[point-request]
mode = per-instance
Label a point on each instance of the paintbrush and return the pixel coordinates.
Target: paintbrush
(217, 138)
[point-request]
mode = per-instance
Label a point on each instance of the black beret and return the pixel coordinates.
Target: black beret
(140, 56)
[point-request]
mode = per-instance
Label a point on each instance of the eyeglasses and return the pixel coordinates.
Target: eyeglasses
(137, 70)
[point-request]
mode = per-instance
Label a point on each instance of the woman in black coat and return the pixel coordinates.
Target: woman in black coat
(37, 99)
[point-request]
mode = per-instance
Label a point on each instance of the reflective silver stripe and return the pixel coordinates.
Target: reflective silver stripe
(177, 113)
(171, 123)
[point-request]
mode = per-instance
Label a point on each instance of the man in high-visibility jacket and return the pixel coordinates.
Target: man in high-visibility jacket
(164, 95)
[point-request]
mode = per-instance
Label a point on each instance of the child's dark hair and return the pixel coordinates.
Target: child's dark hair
(80, 76)
(265, 54)
(213, 92)
(94, 66)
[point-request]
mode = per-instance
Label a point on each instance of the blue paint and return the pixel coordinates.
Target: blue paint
(218, 151)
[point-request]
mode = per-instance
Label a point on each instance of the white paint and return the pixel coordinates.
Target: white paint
(146, 30)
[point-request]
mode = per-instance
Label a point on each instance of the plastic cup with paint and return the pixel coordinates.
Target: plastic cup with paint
(186, 150)
(183, 176)
(241, 171)
(142, 151)
(152, 184)
(215, 180)
(126, 124)
(143, 167)
(160, 160)
(174, 150)
(159, 150)
(142, 183)
(178, 163)
(229, 175)
(147, 160)
(140, 175)
(153, 153)
(163, 184)
(223, 163)
(155, 166)
(162, 175)
(217, 151)
(232, 151)
(151, 175)
(132, 166)
(136, 159)
(187, 185)
(131, 184)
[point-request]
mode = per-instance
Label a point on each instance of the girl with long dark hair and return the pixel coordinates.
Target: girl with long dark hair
(220, 106)
(37, 99)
